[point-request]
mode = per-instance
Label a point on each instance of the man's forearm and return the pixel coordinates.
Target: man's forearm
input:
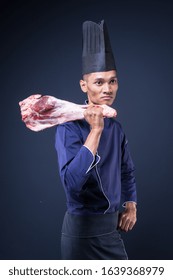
(93, 140)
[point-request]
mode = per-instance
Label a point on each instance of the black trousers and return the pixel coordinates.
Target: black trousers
(93, 237)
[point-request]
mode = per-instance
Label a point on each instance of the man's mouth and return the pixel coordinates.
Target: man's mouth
(107, 97)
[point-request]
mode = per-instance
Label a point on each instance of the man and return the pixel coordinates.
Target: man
(95, 165)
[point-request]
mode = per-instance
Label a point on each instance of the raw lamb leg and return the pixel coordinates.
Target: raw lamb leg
(43, 111)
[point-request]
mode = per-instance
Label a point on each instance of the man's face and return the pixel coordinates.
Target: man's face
(101, 87)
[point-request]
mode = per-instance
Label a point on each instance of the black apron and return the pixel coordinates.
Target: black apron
(92, 237)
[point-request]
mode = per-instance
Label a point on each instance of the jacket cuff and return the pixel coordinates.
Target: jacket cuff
(124, 204)
(96, 159)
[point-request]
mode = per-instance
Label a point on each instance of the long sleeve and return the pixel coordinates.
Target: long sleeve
(75, 160)
(128, 182)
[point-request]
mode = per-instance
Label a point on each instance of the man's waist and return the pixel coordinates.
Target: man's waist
(89, 225)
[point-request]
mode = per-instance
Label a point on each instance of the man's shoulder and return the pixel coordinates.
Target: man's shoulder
(115, 123)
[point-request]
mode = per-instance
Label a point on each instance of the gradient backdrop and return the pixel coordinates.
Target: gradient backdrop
(40, 51)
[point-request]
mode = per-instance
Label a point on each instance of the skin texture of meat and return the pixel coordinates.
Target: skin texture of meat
(43, 111)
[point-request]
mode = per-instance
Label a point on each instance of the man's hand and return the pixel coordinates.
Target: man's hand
(127, 218)
(94, 116)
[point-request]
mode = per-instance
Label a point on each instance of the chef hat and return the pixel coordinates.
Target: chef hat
(97, 53)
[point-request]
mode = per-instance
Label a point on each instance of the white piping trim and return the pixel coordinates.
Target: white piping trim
(92, 165)
(124, 204)
(102, 190)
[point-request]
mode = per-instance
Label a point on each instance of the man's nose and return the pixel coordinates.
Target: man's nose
(106, 88)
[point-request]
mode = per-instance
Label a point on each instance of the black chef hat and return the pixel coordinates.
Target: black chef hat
(97, 53)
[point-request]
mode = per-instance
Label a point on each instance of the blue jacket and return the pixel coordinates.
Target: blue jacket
(95, 184)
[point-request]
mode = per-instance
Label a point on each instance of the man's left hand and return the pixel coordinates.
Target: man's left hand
(127, 218)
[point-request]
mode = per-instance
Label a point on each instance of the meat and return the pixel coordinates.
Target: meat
(43, 111)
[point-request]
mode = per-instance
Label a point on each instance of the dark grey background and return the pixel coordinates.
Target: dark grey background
(40, 51)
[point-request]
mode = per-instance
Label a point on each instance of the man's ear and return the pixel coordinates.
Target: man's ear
(83, 86)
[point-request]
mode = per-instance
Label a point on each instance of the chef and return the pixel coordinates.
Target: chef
(95, 164)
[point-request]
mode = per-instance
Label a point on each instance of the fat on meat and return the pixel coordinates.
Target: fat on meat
(39, 111)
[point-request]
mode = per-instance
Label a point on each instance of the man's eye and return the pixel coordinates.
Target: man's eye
(114, 81)
(98, 83)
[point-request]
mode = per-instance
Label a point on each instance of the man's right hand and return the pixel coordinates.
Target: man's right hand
(94, 116)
